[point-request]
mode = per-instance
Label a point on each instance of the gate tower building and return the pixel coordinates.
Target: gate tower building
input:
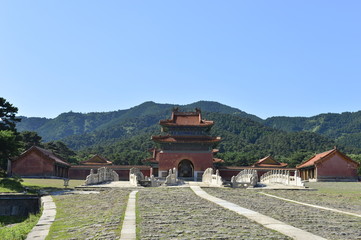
(186, 146)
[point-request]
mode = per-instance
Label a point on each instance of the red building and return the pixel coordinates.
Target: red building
(38, 162)
(329, 166)
(187, 145)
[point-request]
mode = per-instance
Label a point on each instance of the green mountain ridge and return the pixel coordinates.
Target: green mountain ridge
(71, 123)
(123, 136)
(344, 128)
(243, 142)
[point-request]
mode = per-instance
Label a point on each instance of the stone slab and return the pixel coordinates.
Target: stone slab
(312, 205)
(129, 223)
(41, 229)
(266, 221)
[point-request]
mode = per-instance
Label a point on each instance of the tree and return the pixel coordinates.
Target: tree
(8, 117)
(60, 149)
(9, 147)
(9, 139)
(30, 139)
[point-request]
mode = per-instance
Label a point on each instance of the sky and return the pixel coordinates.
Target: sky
(267, 58)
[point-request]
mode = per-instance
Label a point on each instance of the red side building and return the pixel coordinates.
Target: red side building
(187, 145)
(38, 162)
(331, 165)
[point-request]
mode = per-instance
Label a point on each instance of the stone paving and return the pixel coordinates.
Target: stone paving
(177, 213)
(265, 221)
(41, 229)
(313, 205)
(323, 223)
(129, 227)
(348, 203)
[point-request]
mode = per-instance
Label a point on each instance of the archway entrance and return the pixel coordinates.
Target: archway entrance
(185, 168)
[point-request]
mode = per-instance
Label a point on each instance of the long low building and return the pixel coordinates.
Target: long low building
(38, 162)
(331, 165)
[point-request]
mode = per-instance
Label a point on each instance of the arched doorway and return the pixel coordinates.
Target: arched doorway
(185, 168)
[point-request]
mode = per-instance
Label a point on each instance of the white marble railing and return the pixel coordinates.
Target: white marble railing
(103, 175)
(212, 179)
(135, 175)
(245, 178)
(172, 178)
(282, 177)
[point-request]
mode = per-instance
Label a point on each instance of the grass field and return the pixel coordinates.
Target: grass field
(17, 228)
(55, 184)
(12, 227)
(11, 185)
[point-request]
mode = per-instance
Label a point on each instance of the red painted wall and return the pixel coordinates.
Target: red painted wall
(201, 161)
(336, 166)
(32, 165)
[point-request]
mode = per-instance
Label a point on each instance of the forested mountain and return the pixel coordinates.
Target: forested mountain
(71, 123)
(124, 136)
(243, 142)
(344, 128)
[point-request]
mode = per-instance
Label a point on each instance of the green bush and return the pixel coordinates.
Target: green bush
(11, 185)
(18, 231)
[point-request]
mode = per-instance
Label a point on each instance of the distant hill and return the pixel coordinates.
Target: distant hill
(71, 123)
(344, 128)
(243, 141)
(124, 136)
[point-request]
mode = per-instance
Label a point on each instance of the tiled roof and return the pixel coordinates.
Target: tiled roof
(151, 160)
(96, 160)
(316, 158)
(186, 139)
(269, 162)
(186, 119)
(323, 156)
(253, 168)
(45, 153)
(218, 160)
(51, 155)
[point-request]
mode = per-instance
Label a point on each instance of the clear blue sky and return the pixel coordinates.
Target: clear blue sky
(268, 58)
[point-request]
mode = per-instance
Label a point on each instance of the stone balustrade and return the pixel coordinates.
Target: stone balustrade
(212, 179)
(135, 175)
(282, 177)
(172, 178)
(153, 181)
(103, 175)
(245, 178)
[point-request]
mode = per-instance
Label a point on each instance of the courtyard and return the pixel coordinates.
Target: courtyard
(178, 213)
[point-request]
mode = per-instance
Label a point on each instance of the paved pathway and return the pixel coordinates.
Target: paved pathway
(41, 229)
(266, 221)
(314, 206)
(129, 224)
